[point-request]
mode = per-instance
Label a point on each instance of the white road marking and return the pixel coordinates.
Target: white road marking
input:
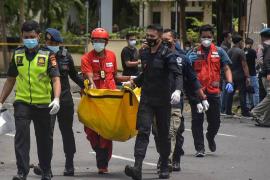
(220, 134)
(127, 159)
(11, 135)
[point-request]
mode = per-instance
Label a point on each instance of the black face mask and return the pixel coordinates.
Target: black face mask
(167, 43)
(152, 42)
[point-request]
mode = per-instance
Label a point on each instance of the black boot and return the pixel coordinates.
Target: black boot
(19, 176)
(38, 171)
(176, 164)
(164, 172)
(211, 143)
(134, 172)
(69, 166)
(46, 176)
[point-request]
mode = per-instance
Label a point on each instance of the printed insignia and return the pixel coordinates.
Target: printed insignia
(179, 61)
(110, 64)
(41, 61)
(19, 60)
(53, 60)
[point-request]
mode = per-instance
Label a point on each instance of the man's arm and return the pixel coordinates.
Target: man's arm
(8, 86)
(175, 67)
(56, 86)
(132, 63)
(228, 73)
(73, 73)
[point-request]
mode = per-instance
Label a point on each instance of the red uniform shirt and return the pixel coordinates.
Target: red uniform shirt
(90, 63)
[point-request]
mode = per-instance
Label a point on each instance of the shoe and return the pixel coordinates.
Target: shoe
(46, 177)
(19, 177)
(103, 171)
(247, 115)
(134, 172)
(200, 153)
(164, 173)
(211, 143)
(260, 124)
(37, 170)
(69, 171)
(176, 166)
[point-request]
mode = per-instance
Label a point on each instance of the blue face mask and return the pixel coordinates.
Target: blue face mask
(55, 49)
(99, 47)
(30, 43)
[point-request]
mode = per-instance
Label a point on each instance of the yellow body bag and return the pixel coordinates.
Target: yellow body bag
(110, 113)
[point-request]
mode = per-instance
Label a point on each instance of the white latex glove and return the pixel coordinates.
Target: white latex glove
(205, 105)
(55, 106)
(127, 83)
(199, 108)
(1, 106)
(176, 96)
(132, 77)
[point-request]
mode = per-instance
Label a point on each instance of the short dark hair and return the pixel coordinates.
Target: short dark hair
(249, 41)
(225, 34)
(30, 25)
(173, 33)
(236, 38)
(206, 27)
(130, 34)
(156, 27)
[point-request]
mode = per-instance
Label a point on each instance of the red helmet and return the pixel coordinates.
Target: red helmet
(99, 33)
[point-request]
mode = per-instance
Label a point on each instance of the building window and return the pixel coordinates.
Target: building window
(156, 18)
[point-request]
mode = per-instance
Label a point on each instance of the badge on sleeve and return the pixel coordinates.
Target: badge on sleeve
(19, 60)
(41, 61)
(53, 60)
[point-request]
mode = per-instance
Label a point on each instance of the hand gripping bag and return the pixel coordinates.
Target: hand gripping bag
(110, 113)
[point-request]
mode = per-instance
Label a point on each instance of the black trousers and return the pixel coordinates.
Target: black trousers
(24, 113)
(241, 85)
(145, 116)
(65, 122)
(213, 119)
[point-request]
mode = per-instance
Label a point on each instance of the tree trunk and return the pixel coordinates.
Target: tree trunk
(183, 36)
(22, 17)
(4, 35)
(268, 12)
(224, 17)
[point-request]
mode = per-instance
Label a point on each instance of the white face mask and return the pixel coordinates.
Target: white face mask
(206, 42)
(99, 47)
(132, 43)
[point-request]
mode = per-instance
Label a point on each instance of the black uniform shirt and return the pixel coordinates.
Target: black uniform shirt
(67, 68)
(155, 78)
(53, 70)
(129, 54)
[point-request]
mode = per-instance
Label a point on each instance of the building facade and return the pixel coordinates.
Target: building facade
(163, 12)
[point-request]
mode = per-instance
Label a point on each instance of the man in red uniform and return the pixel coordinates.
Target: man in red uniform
(99, 66)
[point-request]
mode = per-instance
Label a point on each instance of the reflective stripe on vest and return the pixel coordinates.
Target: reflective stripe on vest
(33, 82)
(208, 71)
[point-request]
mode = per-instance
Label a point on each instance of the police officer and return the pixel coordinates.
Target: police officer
(66, 112)
(207, 63)
(156, 99)
(32, 69)
(192, 89)
(261, 112)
